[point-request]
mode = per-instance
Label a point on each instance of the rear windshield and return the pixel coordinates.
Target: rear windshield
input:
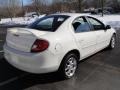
(49, 23)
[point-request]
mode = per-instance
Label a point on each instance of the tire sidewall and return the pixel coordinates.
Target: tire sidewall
(111, 46)
(63, 65)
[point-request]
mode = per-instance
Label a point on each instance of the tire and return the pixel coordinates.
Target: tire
(112, 42)
(68, 66)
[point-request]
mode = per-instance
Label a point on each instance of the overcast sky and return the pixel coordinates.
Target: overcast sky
(26, 2)
(29, 1)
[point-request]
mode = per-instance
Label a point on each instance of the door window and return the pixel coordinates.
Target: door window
(96, 24)
(80, 25)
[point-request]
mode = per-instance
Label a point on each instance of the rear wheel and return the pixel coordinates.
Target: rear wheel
(112, 42)
(68, 66)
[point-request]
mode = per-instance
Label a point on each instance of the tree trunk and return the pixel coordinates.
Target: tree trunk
(79, 5)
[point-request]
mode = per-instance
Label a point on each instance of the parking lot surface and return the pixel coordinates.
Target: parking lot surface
(98, 72)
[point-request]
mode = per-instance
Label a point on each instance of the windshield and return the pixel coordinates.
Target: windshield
(48, 23)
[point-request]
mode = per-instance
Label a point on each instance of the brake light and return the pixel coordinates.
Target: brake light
(39, 45)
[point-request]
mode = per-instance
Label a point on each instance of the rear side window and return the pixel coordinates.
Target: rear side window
(49, 23)
(46, 24)
(81, 25)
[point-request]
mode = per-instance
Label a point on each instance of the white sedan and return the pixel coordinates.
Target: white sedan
(56, 43)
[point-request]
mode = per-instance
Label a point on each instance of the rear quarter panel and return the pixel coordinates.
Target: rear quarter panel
(62, 41)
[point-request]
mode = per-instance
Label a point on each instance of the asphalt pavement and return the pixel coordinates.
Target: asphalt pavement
(98, 72)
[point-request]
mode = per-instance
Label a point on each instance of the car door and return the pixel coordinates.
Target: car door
(99, 29)
(85, 38)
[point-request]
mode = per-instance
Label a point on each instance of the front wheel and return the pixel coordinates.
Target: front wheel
(68, 66)
(112, 42)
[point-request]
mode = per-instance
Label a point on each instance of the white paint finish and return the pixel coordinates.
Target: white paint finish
(86, 43)
(22, 39)
(60, 43)
(103, 38)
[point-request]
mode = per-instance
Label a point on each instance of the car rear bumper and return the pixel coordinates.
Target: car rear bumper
(43, 62)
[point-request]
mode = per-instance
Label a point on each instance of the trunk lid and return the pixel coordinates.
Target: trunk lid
(22, 39)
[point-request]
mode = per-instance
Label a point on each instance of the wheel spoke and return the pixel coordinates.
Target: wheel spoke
(113, 42)
(67, 68)
(71, 66)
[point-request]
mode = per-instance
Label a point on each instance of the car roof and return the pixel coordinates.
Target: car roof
(72, 14)
(79, 14)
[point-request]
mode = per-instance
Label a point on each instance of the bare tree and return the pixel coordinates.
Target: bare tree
(80, 5)
(74, 3)
(116, 5)
(13, 7)
(9, 8)
(39, 5)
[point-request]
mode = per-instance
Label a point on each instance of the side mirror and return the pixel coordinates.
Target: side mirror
(108, 27)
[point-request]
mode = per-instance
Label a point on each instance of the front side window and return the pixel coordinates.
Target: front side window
(96, 24)
(49, 23)
(80, 25)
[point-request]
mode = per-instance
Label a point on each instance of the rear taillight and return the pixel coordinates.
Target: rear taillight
(39, 45)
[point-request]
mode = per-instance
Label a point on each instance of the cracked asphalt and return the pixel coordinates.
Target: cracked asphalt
(98, 72)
